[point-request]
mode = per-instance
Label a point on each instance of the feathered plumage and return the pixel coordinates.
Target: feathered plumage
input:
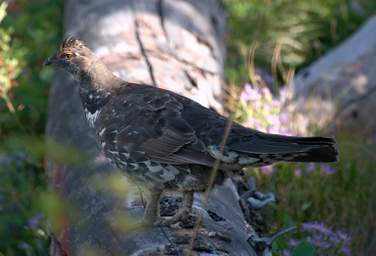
(166, 140)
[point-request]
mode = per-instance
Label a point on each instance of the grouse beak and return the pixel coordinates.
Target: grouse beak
(49, 60)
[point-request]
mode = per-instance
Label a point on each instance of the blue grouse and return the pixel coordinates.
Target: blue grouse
(167, 141)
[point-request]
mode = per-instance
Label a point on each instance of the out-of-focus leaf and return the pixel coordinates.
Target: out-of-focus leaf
(304, 249)
(58, 211)
(3, 7)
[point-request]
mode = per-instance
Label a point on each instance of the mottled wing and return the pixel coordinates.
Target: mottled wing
(151, 127)
(248, 147)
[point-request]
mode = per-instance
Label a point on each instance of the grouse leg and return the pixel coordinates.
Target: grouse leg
(151, 212)
(183, 212)
(186, 208)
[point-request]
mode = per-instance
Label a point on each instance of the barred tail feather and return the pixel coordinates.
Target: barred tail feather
(319, 149)
(320, 153)
(273, 148)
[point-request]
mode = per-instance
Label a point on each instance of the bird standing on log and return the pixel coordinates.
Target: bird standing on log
(167, 141)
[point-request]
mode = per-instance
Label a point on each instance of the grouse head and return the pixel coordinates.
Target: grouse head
(73, 56)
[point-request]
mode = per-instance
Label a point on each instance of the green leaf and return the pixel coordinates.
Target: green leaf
(304, 249)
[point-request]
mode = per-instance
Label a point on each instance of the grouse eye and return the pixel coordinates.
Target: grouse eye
(68, 56)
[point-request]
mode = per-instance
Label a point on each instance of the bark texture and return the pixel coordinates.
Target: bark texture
(172, 44)
(339, 89)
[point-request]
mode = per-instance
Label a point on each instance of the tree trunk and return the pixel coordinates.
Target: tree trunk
(338, 90)
(173, 44)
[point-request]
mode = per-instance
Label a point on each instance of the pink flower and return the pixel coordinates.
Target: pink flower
(286, 133)
(284, 118)
(273, 120)
(252, 123)
(273, 129)
(298, 172)
(267, 170)
(276, 103)
(266, 92)
(284, 92)
(249, 93)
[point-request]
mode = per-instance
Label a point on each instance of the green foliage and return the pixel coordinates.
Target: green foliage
(342, 200)
(283, 35)
(22, 230)
(32, 30)
(10, 66)
(29, 31)
(304, 249)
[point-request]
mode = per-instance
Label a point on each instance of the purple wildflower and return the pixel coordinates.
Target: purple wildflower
(286, 252)
(253, 123)
(265, 91)
(250, 94)
(276, 103)
(267, 170)
(265, 107)
(284, 118)
(343, 236)
(23, 245)
(327, 169)
(316, 226)
(346, 250)
(326, 239)
(284, 92)
(298, 172)
(273, 120)
(286, 133)
(309, 167)
(273, 129)
(319, 241)
(293, 242)
(33, 222)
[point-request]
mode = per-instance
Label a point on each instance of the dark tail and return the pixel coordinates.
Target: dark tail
(319, 149)
(289, 148)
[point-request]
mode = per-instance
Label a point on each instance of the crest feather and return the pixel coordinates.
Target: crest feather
(72, 42)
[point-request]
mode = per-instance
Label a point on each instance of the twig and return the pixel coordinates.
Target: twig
(210, 184)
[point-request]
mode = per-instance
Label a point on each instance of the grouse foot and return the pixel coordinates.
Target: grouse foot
(151, 211)
(183, 214)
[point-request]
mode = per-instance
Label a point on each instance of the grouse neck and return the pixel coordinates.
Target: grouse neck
(96, 84)
(97, 76)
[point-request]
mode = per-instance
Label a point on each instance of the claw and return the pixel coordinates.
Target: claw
(258, 200)
(268, 240)
(265, 243)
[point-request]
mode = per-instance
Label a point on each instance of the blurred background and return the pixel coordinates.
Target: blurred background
(289, 69)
